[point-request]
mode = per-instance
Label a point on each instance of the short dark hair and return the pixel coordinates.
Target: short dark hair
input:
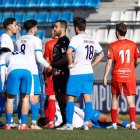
(4, 50)
(62, 23)
(121, 28)
(80, 23)
(28, 24)
(8, 21)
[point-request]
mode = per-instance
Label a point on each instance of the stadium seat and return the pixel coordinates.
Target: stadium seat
(93, 3)
(68, 3)
(90, 32)
(53, 16)
(136, 36)
(129, 16)
(45, 3)
(138, 16)
(80, 3)
(138, 3)
(1, 32)
(10, 3)
(42, 35)
(111, 36)
(31, 15)
(33, 3)
(2, 3)
(56, 3)
(116, 16)
(68, 16)
(7, 15)
(42, 16)
(0, 17)
(22, 3)
(23, 32)
(129, 34)
(101, 35)
(19, 16)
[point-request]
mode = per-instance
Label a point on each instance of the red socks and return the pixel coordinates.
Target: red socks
(132, 113)
(114, 115)
(51, 110)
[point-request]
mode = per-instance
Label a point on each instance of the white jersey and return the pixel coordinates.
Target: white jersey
(84, 48)
(32, 47)
(78, 117)
(6, 41)
(11, 61)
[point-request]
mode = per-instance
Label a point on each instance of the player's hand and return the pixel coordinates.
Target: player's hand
(72, 65)
(32, 99)
(105, 82)
(55, 71)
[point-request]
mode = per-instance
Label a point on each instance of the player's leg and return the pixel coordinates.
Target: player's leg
(25, 90)
(69, 114)
(114, 107)
(130, 92)
(24, 112)
(9, 111)
(60, 83)
(51, 107)
(35, 107)
(87, 85)
(12, 88)
(73, 89)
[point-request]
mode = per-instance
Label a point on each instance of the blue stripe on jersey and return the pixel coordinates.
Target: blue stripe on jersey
(72, 48)
(39, 50)
(2, 65)
(100, 52)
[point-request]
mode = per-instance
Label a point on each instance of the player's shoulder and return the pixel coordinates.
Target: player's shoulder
(5, 36)
(52, 41)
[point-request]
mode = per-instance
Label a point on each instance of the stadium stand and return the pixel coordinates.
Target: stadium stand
(116, 16)
(20, 16)
(129, 16)
(101, 35)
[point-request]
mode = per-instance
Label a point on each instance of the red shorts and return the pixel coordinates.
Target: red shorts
(49, 89)
(129, 88)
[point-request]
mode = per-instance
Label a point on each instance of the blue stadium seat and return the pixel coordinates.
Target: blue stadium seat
(23, 32)
(22, 3)
(54, 16)
(19, 16)
(68, 3)
(10, 3)
(0, 17)
(56, 3)
(68, 16)
(93, 3)
(34, 3)
(1, 32)
(30, 15)
(45, 3)
(42, 35)
(7, 15)
(80, 3)
(2, 3)
(43, 17)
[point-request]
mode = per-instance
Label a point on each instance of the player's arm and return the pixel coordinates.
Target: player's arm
(97, 59)
(107, 69)
(3, 71)
(39, 55)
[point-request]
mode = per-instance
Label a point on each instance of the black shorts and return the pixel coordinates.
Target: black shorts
(60, 81)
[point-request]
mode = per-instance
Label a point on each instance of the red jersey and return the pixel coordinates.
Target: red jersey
(49, 49)
(123, 53)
